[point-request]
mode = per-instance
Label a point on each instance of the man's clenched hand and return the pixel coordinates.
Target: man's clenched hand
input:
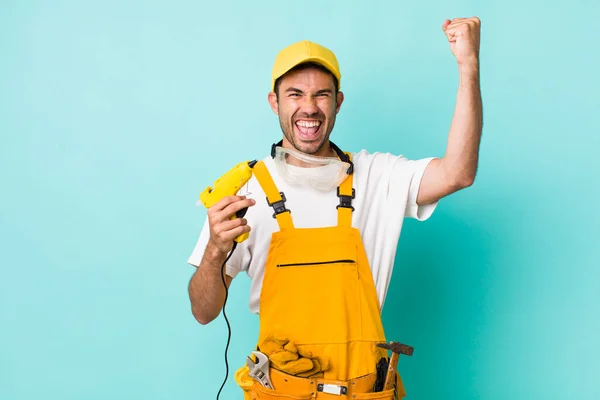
(463, 35)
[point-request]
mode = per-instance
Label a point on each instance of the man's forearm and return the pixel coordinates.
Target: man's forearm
(206, 290)
(462, 152)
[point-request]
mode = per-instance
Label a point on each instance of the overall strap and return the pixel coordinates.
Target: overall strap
(346, 193)
(275, 198)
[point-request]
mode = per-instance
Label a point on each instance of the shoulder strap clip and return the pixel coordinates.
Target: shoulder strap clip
(278, 206)
(345, 201)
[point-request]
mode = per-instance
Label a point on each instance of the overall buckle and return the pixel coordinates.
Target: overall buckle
(332, 389)
(278, 206)
(345, 201)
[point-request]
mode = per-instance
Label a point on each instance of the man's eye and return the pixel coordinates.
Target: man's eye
(295, 95)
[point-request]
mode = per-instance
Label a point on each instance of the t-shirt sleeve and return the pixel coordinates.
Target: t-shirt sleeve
(239, 261)
(402, 182)
(419, 212)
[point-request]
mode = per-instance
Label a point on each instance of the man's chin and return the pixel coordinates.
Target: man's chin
(309, 147)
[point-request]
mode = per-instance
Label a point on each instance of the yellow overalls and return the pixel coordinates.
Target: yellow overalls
(318, 291)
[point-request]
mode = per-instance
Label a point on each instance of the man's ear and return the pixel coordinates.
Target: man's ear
(273, 102)
(340, 100)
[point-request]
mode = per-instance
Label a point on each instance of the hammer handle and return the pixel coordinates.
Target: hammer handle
(390, 376)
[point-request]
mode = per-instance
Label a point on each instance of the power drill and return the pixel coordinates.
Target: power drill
(228, 185)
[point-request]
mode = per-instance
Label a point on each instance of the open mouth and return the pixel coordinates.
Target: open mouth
(308, 129)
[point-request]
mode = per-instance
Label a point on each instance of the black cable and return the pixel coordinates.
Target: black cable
(226, 320)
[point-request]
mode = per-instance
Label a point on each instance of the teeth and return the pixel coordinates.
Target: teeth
(308, 124)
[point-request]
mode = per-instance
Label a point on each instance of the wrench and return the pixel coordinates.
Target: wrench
(260, 369)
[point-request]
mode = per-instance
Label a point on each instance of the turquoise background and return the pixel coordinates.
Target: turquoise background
(115, 115)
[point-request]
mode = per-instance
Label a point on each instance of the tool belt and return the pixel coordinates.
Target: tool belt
(292, 387)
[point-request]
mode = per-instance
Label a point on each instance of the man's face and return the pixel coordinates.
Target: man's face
(307, 106)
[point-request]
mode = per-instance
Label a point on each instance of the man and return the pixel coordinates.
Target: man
(325, 226)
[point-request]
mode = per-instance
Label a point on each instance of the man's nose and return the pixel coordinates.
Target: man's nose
(309, 105)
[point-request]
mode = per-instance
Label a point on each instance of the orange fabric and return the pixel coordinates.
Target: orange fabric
(266, 182)
(291, 387)
(345, 189)
(318, 291)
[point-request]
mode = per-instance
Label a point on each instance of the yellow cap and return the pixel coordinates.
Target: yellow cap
(301, 52)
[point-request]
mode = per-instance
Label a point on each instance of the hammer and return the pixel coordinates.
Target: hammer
(397, 349)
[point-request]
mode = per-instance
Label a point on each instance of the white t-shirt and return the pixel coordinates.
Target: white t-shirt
(386, 189)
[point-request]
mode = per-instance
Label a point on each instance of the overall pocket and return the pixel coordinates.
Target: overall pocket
(310, 292)
(259, 392)
(315, 263)
(385, 395)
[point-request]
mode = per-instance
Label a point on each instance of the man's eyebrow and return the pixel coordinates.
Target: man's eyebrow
(296, 90)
